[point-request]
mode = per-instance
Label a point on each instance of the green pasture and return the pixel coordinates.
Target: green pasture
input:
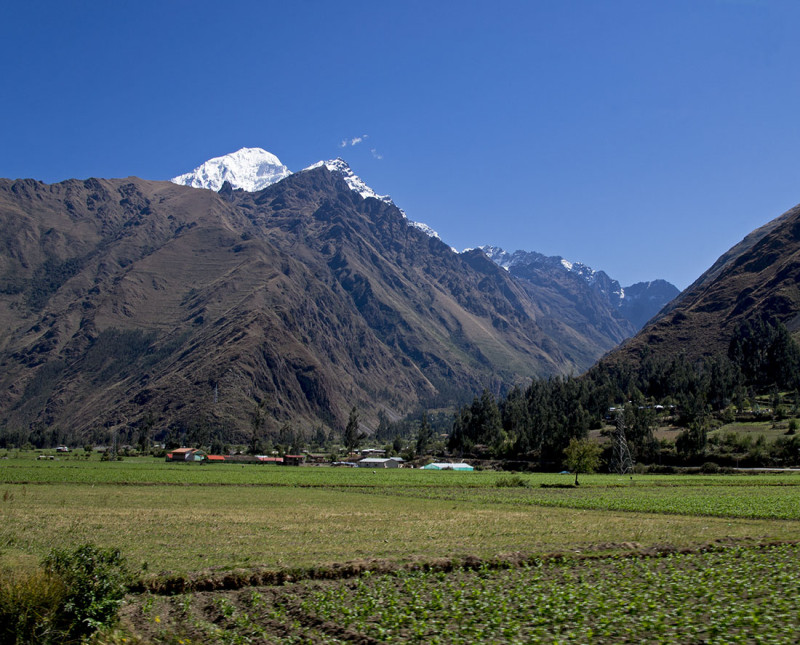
(151, 471)
(184, 518)
(733, 500)
(753, 429)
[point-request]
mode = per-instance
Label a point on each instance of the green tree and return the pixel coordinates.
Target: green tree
(424, 435)
(256, 445)
(145, 430)
(320, 436)
(692, 441)
(583, 456)
(479, 424)
(352, 435)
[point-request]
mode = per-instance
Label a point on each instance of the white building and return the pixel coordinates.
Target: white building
(378, 462)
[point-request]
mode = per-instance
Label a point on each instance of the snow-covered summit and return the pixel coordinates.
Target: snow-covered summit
(424, 228)
(250, 169)
(253, 169)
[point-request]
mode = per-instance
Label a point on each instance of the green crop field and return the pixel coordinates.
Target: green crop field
(414, 530)
(737, 595)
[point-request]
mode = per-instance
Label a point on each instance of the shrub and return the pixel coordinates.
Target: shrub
(512, 481)
(95, 581)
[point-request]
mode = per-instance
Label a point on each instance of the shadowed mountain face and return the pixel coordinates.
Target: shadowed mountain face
(757, 278)
(589, 303)
(125, 298)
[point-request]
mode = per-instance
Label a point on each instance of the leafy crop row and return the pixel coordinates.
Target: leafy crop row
(752, 500)
(737, 595)
(714, 598)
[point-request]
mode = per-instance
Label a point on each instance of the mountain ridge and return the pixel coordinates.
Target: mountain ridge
(635, 304)
(758, 277)
(125, 298)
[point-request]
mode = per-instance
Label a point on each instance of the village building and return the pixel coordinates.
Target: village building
(378, 462)
(447, 466)
(373, 452)
(265, 459)
(186, 455)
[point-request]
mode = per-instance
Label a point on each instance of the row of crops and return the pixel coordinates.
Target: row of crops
(735, 595)
(740, 499)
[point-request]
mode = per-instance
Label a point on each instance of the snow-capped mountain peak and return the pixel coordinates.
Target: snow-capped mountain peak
(253, 169)
(250, 169)
(508, 260)
(341, 168)
(425, 229)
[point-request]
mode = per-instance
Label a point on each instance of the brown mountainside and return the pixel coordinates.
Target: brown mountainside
(123, 298)
(760, 276)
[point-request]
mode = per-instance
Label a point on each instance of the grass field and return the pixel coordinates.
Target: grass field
(753, 429)
(203, 522)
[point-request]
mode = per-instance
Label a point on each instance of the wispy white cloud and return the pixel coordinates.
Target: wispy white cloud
(354, 141)
(376, 154)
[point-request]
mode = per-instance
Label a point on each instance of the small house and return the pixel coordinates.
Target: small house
(266, 459)
(378, 462)
(293, 460)
(186, 455)
(373, 452)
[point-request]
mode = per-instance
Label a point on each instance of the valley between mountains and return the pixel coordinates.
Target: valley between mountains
(194, 302)
(309, 294)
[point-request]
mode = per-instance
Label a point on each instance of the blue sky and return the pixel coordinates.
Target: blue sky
(640, 137)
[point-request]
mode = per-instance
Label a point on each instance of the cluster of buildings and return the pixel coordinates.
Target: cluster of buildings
(198, 456)
(370, 458)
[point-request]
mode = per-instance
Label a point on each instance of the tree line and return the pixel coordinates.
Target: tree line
(538, 422)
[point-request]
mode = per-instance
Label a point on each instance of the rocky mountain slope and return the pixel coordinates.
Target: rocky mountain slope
(759, 277)
(130, 298)
(583, 298)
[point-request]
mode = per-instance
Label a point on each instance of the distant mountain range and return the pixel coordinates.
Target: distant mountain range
(635, 304)
(124, 299)
(599, 297)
